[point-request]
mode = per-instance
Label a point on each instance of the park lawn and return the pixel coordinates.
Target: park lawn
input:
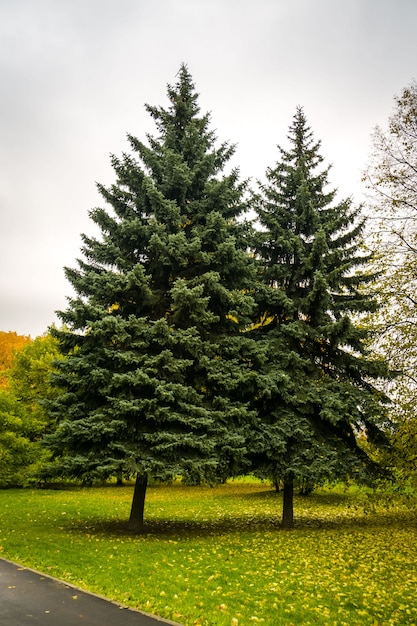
(217, 556)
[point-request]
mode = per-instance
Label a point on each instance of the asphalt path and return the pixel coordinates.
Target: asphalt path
(28, 597)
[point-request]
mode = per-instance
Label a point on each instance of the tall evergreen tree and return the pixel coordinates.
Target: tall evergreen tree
(317, 393)
(155, 353)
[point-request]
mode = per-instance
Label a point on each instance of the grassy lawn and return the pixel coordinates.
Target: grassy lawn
(217, 556)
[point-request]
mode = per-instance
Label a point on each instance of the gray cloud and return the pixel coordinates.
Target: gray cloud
(75, 75)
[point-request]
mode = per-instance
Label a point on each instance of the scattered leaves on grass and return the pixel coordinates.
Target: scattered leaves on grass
(216, 556)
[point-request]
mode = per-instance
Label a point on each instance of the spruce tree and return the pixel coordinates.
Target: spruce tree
(318, 392)
(155, 357)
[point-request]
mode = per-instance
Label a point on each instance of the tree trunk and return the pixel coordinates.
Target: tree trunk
(138, 504)
(288, 505)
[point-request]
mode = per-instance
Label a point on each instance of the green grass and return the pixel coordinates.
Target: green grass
(217, 556)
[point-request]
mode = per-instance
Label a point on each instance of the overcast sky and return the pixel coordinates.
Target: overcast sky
(75, 75)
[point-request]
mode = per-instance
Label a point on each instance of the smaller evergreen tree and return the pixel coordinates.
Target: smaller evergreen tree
(316, 393)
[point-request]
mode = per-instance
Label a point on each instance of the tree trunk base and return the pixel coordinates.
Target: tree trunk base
(288, 506)
(138, 504)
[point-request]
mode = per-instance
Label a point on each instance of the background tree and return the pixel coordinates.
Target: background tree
(29, 382)
(317, 394)
(23, 420)
(155, 357)
(391, 178)
(16, 452)
(10, 342)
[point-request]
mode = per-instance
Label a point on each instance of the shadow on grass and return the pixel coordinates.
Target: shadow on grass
(183, 529)
(332, 498)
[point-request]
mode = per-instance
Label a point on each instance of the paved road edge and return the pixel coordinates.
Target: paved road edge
(90, 593)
